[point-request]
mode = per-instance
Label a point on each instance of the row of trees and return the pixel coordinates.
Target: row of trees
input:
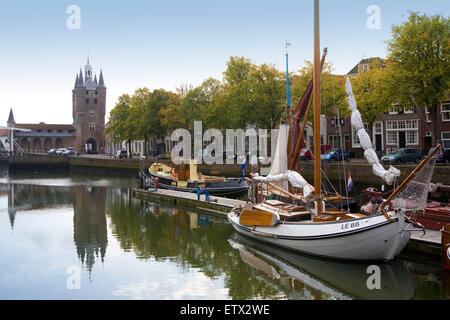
(416, 73)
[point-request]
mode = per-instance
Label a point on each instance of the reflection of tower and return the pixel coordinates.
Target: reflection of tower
(89, 223)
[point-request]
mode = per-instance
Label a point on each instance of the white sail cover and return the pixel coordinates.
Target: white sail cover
(279, 173)
(387, 175)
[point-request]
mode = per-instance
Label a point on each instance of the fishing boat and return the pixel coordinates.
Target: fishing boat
(435, 216)
(381, 233)
(186, 178)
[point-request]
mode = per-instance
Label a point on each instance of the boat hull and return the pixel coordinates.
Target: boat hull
(365, 239)
(233, 187)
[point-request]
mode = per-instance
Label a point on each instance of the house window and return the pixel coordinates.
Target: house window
(91, 112)
(412, 137)
(445, 139)
(392, 138)
(410, 127)
(427, 114)
(355, 138)
(91, 126)
(445, 111)
(334, 141)
(408, 110)
(378, 127)
(393, 111)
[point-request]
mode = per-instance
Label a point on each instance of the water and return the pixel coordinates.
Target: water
(84, 237)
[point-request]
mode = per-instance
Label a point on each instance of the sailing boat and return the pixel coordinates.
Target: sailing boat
(380, 234)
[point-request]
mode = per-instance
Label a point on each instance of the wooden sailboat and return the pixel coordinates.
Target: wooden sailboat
(331, 233)
(186, 178)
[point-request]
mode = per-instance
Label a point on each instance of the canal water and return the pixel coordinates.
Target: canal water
(67, 236)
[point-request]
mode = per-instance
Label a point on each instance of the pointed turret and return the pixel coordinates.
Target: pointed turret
(11, 118)
(76, 82)
(101, 83)
(95, 79)
(80, 79)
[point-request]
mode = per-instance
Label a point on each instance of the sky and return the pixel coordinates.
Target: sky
(164, 44)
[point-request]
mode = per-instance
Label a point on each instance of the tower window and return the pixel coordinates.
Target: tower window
(95, 101)
(87, 101)
(92, 126)
(91, 112)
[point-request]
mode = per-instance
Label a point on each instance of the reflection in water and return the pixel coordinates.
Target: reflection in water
(320, 279)
(89, 224)
(133, 238)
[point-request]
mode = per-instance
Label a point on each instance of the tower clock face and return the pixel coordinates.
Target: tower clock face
(91, 93)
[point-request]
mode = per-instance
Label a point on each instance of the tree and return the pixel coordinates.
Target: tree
(372, 91)
(118, 128)
(332, 91)
(419, 55)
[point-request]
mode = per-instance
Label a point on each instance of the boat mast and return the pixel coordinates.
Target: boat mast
(288, 104)
(317, 142)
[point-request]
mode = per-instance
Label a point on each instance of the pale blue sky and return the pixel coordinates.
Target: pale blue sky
(162, 44)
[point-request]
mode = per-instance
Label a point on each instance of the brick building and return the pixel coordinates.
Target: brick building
(85, 134)
(399, 128)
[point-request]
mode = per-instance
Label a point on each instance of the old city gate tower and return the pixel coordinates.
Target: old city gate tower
(89, 107)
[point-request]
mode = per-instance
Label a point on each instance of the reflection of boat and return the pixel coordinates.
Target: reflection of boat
(188, 179)
(337, 280)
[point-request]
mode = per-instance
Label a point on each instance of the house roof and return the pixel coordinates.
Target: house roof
(44, 126)
(355, 69)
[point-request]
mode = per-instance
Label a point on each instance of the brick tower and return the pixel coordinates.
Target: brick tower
(89, 107)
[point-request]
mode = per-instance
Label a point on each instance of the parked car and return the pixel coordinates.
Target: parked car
(60, 151)
(402, 155)
(443, 155)
(306, 154)
(51, 151)
(69, 152)
(122, 154)
(336, 154)
(324, 148)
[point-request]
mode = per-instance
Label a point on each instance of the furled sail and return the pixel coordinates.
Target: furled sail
(388, 176)
(279, 173)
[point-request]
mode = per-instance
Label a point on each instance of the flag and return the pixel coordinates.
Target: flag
(349, 182)
(243, 166)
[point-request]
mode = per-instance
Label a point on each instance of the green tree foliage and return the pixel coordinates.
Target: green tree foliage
(372, 89)
(419, 52)
(332, 89)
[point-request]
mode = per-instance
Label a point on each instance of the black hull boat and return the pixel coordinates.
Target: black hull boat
(166, 177)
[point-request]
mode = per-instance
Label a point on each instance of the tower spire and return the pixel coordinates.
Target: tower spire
(101, 83)
(76, 81)
(80, 79)
(11, 117)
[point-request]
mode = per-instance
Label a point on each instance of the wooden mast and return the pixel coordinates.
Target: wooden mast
(316, 76)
